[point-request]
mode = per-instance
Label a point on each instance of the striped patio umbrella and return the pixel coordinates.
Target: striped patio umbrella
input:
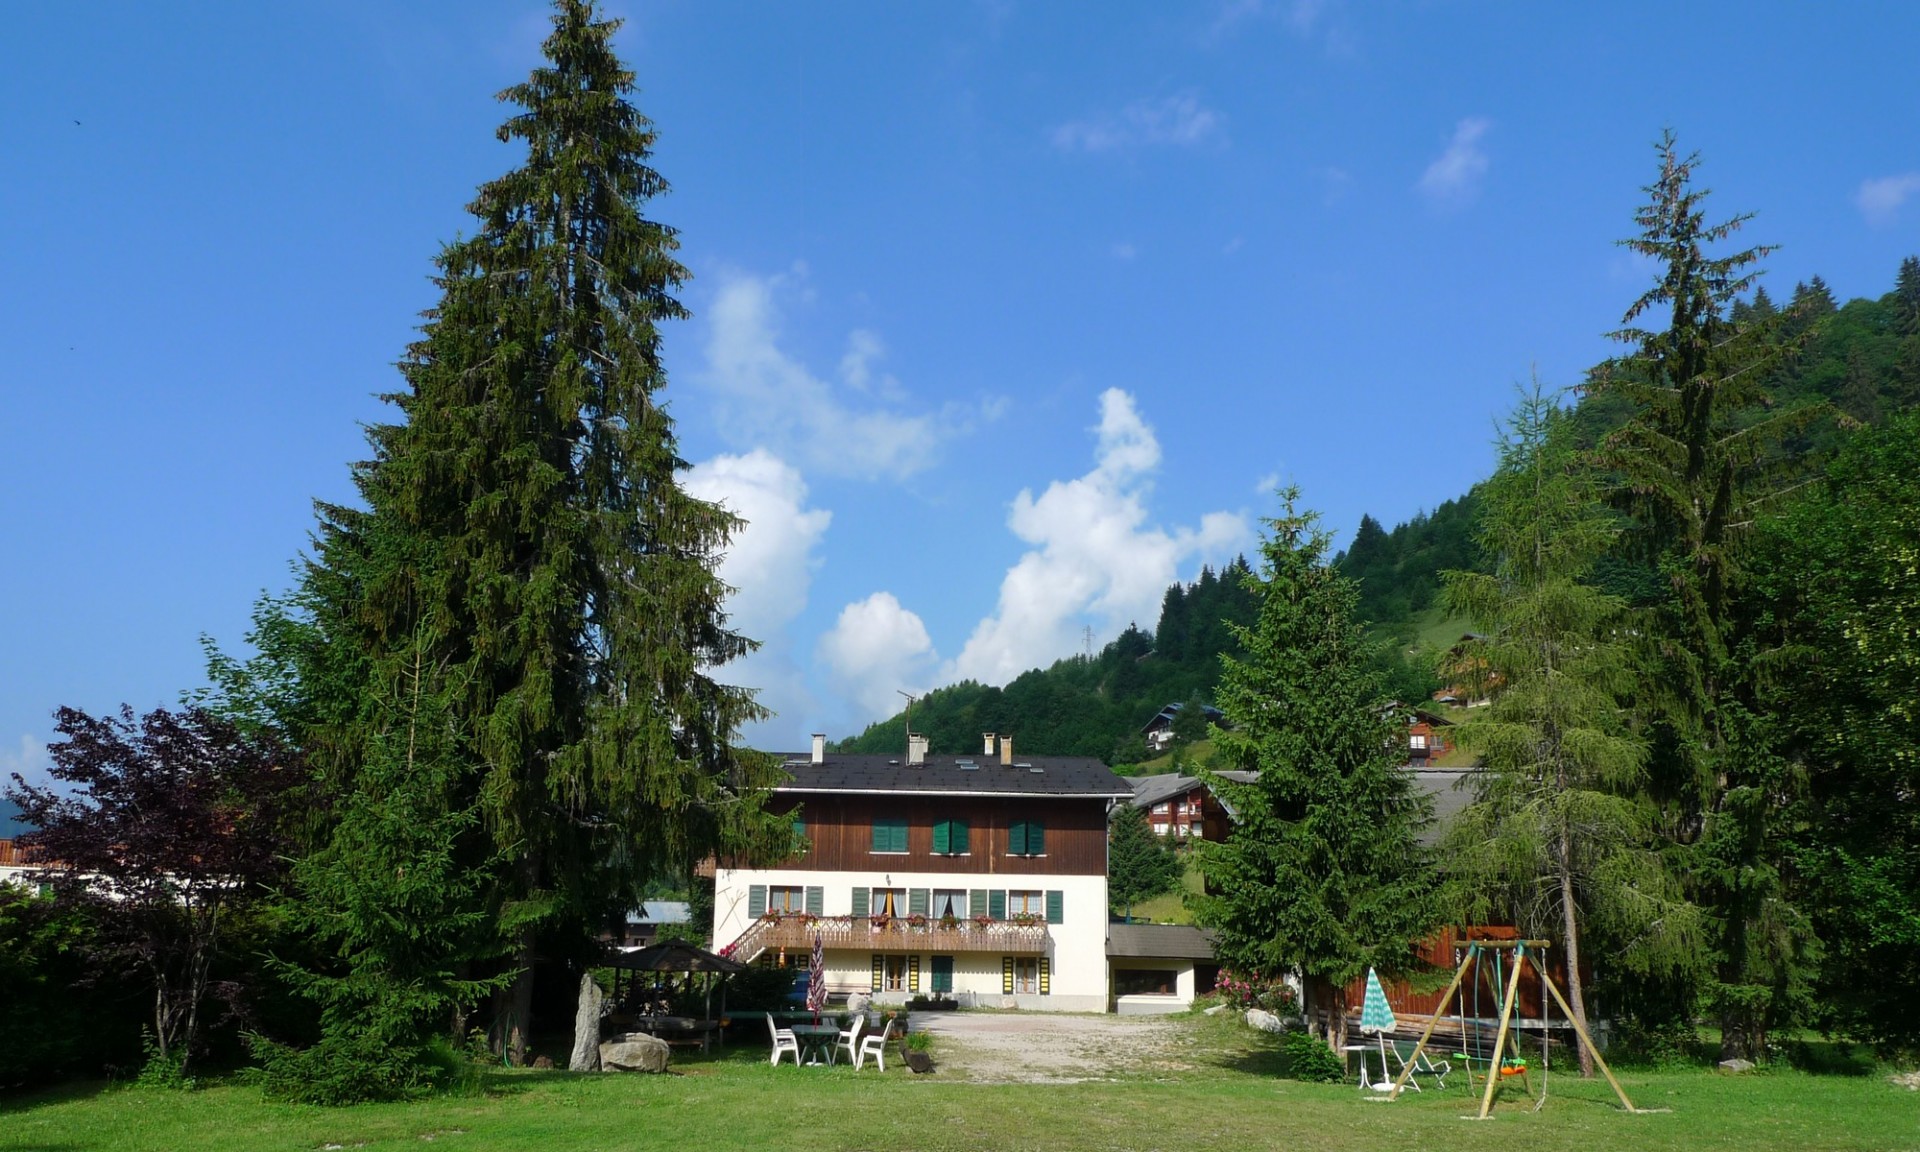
(1375, 1015)
(817, 978)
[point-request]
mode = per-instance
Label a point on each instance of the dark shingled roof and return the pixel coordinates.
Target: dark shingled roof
(1159, 941)
(948, 775)
(1451, 790)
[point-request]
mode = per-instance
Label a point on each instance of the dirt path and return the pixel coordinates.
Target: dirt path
(1036, 1048)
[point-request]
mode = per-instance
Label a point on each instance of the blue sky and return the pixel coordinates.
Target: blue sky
(1005, 314)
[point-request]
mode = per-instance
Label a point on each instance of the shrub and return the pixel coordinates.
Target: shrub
(1255, 991)
(1308, 1058)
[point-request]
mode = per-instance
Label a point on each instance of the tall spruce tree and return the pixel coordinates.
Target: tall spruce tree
(1699, 457)
(1556, 839)
(525, 540)
(1323, 872)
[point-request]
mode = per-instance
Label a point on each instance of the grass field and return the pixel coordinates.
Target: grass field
(1226, 1098)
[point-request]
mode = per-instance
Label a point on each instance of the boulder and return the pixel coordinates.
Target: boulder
(1216, 1009)
(545, 1063)
(1265, 1021)
(586, 1027)
(859, 1001)
(1736, 1065)
(635, 1052)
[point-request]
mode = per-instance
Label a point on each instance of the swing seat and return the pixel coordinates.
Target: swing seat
(1514, 1068)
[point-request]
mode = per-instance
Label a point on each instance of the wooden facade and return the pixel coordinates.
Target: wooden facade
(840, 830)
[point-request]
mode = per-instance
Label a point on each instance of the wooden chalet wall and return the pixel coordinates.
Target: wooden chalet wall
(841, 831)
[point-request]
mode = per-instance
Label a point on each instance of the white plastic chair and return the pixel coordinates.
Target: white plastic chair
(849, 1038)
(875, 1046)
(783, 1041)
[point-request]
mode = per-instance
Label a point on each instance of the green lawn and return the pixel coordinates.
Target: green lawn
(1225, 1098)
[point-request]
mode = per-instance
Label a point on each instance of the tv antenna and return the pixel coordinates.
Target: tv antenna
(910, 699)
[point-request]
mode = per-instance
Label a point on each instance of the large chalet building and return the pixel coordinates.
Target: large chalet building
(980, 878)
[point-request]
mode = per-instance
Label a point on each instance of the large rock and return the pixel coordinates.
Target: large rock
(859, 1001)
(586, 1027)
(635, 1052)
(1265, 1021)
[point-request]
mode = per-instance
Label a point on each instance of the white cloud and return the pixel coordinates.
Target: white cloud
(769, 565)
(1180, 121)
(1880, 200)
(1095, 557)
(30, 761)
(1300, 15)
(874, 651)
(765, 397)
(1455, 176)
(1267, 485)
(1123, 251)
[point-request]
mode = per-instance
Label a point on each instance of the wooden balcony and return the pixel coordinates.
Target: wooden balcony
(900, 934)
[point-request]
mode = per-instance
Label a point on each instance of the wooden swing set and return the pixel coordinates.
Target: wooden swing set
(1505, 1061)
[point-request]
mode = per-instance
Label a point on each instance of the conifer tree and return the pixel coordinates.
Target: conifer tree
(1699, 457)
(1140, 865)
(1323, 873)
(1556, 839)
(525, 542)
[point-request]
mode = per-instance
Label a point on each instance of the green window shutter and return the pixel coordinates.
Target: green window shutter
(860, 900)
(756, 901)
(890, 835)
(1036, 838)
(913, 973)
(1006, 975)
(817, 900)
(997, 904)
(957, 838)
(1046, 986)
(879, 970)
(941, 839)
(917, 901)
(977, 902)
(1056, 912)
(943, 974)
(1017, 838)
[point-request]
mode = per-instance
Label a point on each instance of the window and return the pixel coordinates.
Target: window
(1143, 982)
(890, 835)
(949, 902)
(1026, 838)
(1026, 903)
(889, 902)
(1417, 742)
(950, 837)
(1161, 809)
(785, 898)
(894, 978)
(1026, 976)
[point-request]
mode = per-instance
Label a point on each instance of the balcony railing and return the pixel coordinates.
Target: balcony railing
(895, 934)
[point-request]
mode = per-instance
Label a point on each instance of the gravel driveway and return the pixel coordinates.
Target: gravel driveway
(1038, 1048)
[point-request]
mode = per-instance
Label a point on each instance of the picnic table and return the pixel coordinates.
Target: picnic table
(679, 1030)
(816, 1040)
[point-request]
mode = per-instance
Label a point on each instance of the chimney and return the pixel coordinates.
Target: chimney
(1006, 750)
(988, 750)
(819, 747)
(916, 749)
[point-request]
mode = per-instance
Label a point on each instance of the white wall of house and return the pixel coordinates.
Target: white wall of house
(1141, 1004)
(1077, 976)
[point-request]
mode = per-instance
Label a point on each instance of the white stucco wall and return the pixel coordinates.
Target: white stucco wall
(1077, 978)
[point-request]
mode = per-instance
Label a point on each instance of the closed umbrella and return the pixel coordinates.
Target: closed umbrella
(1376, 1016)
(817, 979)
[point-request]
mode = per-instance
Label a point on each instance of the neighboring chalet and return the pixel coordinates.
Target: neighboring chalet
(1181, 807)
(13, 859)
(1158, 731)
(979, 878)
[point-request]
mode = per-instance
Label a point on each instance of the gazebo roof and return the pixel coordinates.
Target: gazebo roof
(673, 956)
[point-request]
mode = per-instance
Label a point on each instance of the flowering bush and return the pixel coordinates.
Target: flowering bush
(917, 920)
(1255, 991)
